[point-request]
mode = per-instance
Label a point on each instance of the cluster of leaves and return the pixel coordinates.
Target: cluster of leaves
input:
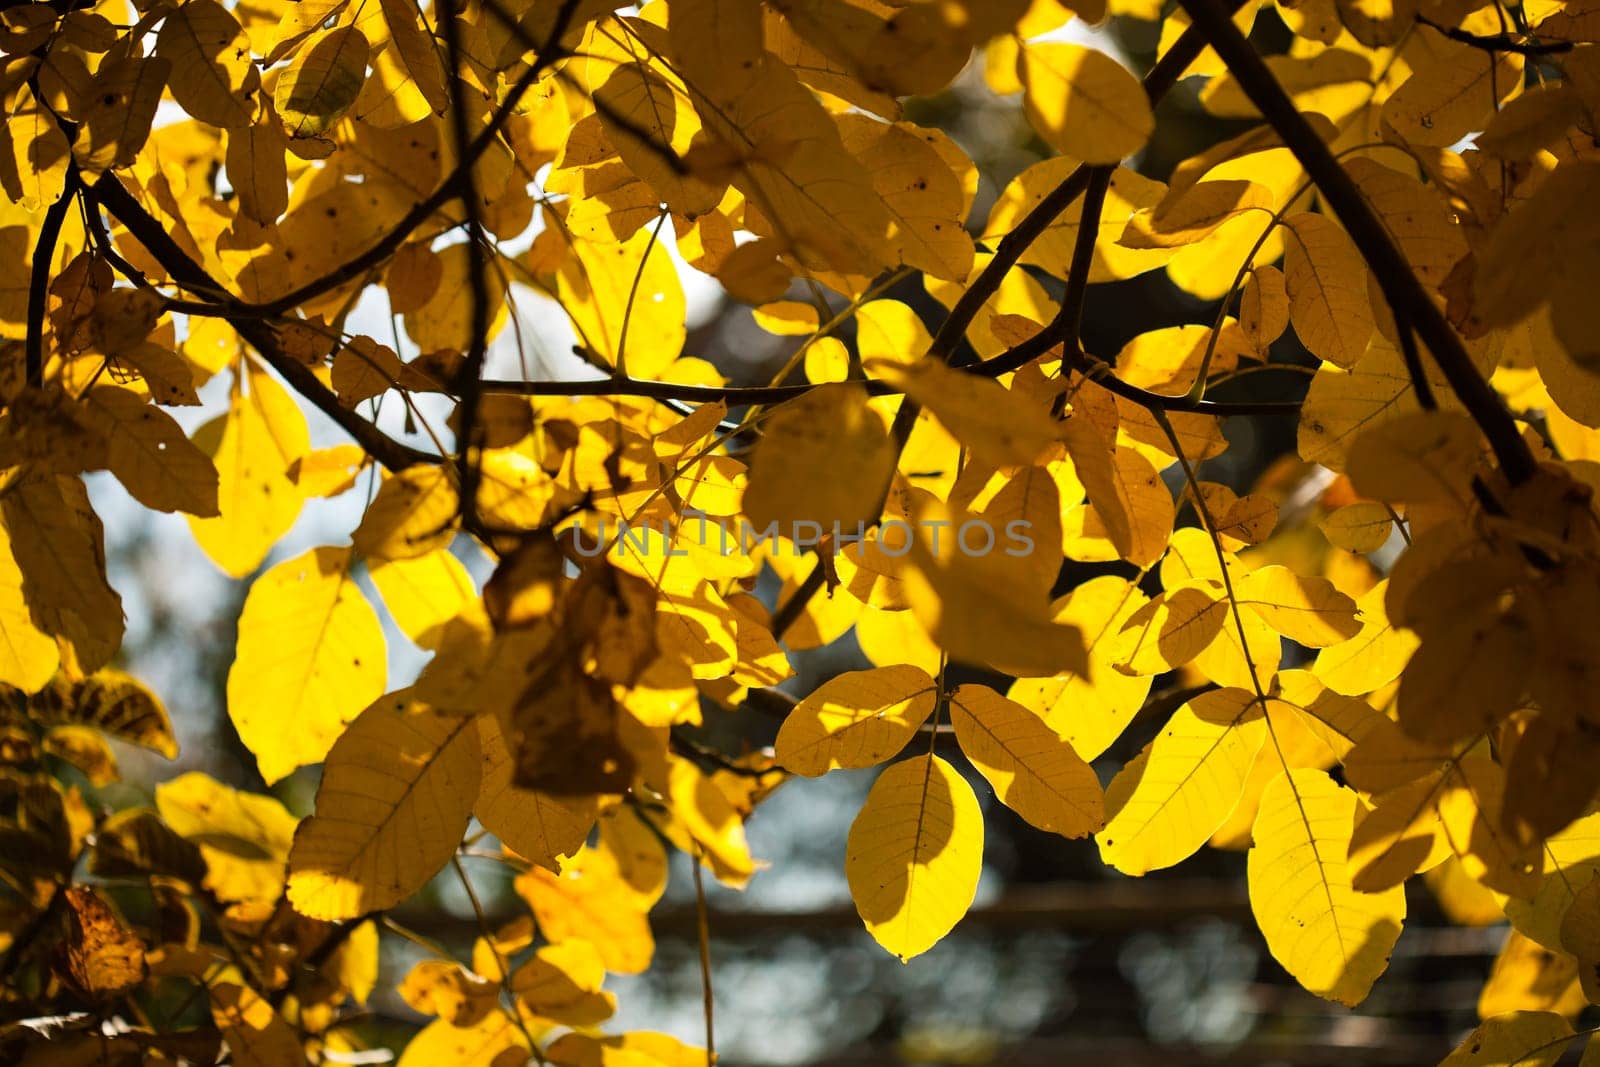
(1351, 719)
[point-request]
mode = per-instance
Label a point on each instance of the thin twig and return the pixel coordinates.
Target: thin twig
(1500, 42)
(109, 193)
(703, 926)
(513, 1012)
(450, 188)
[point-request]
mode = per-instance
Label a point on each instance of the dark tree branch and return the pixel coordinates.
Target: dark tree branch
(467, 379)
(1162, 77)
(1405, 293)
(109, 193)
(448, 190)
(1500, 42)
(44, 252)
(1004, 363)
(1069, 320)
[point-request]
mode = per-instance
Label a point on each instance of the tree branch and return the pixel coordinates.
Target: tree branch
(467, 379)
(44, 253)
(1405, 293)
(1069, 320)
(109, 193)
(1500, 42)
(448, 190)
(1162, 77)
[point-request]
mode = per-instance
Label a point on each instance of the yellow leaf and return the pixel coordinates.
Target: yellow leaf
(890, 330)
(914, 52)
(254, 1032)
(1529, 977)
(1194, 213)
(707, 826)
(1302, 608)
(1519, 1039)
(637, 1049)
(588, 901)
(1090, 709)
(126, 93)
(395, 798)
(322, 82)
(450, 991)
(825, 458)
(1400, 836)
(1371, 659)
(1264, 307)
(802, 189)
(327, 472)
(1083, 102)
(889, 638)
(1166, 803)
(1417, 217)
(1131, 502)
(562, 983)
(1340, 404)
(149, 454)
(445, 321)
(212, 75)
(786, 318)
(28, 655)
(626, 302)
(1418, 458)
(1254, 663)
(59, 546)
(1327, 283)
(1003, 428)
(413, 514)
(1463, 900)
(983, 608)
(1362, 527)
(914, 855)
(827, 360)
(412, 40)
(1470, 810)
(636, 848)
(924, 198)
(1334, 940)
(1033, 769)
(310, 657)
(1451, 91)
(244, 837)
(1170, 630)
(35, 175)
(855, 720)
(495, 1039)
(658, 108)
(103, 957)
(425, 593)
(540, 827)
(252, 447)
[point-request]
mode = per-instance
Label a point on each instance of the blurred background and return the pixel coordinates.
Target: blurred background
(1061, 958)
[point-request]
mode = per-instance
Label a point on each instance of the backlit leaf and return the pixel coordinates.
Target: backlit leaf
(395, 797)
(310, 657)
(914, 855)
(1334, 940)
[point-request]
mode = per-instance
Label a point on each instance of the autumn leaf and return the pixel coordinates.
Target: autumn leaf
(914, 855)
(418, 773)
(311, 655)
